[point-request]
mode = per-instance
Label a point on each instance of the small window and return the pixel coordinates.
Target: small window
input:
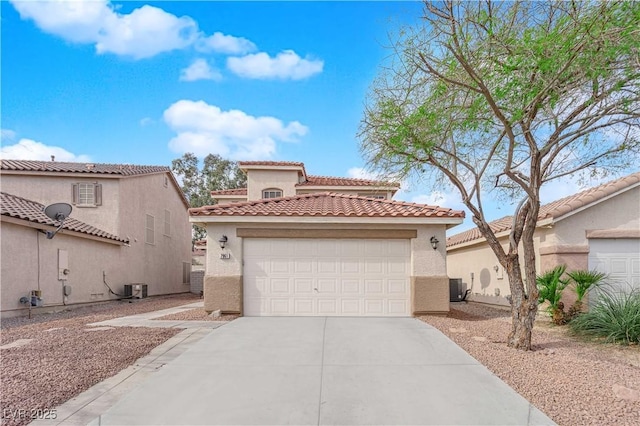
(186, 273)
(166, 181)
(374, 196)
(87, 194)
(150, 235)
(272, 193)
(167, 223)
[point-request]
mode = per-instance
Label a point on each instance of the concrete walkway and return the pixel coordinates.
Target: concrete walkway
(147, 319)
(322, 371)
(96, 400)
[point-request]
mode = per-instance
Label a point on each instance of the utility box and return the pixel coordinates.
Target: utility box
(455, 290)
(135, 291)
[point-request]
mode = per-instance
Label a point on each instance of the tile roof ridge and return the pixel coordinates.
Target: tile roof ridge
(558, 207)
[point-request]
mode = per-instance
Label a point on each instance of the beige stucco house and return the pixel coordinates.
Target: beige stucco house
(598, 228)
(129, 225)
(293, 244)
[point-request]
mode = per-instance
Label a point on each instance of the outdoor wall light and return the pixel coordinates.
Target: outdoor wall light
(223, 241)
(434, 242)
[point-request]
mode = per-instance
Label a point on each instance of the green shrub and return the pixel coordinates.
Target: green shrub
(614, 317)
(550, 286)
(583, 281)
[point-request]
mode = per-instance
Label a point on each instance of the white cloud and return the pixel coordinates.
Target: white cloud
(286, 65)
(146, 121)
(27, 149)
(361, 173)
(143, 33)
(7, 135)
(199, 70)
(227, 44)
(202, 129)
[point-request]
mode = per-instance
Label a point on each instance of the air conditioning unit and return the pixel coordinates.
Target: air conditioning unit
(455, 289)
(135, 291)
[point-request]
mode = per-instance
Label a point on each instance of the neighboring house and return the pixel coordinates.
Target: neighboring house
(598, 228)
(129, 224)
(294, 244)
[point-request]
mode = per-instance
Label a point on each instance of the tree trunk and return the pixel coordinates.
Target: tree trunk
(523, 309)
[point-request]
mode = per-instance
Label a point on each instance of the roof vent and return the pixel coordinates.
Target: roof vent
(90, 166)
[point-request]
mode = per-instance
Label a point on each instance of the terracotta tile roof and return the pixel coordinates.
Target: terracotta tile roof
(90, 168)
(553, 209)
(21, 208)
(270, 163)
(326, 204)
(238, 191)
(342, 181)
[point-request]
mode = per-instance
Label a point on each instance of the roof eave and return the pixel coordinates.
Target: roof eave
(399, 220)
(45, 227)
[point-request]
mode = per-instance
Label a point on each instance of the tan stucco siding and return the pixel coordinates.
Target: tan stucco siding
(58, 189)
(619, 212)
(30, 262)
(159, 265)
(477, 264)
(259, 180)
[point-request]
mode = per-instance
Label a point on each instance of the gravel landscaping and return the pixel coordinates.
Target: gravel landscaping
(56, 357)
(197, 314)
(61, 357)
(573, 381)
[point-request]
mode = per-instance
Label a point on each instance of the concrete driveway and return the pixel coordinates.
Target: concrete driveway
(324, 371)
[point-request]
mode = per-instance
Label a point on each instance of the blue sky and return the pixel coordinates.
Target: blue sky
(145, 82)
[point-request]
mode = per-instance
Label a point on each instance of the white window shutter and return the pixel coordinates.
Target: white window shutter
(98, 193)
(75, 194)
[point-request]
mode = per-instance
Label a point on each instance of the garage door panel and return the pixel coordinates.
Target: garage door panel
(350, 266)
(327, 306)
(373, 287)
(303, 266)
(620, 259)
(279, 285)
(327, 277)
(396, 287)
(328, 266)
(350, 286)
(327, 285)
(280, 306)
(373, 266)
(303, 306)
(374, 307)
(350, 306)
(397, 307)
(303, 285)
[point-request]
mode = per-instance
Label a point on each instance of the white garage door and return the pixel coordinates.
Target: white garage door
(316, 277)
(620, 258)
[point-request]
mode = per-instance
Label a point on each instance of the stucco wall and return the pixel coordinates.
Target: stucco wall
(259, 180)
(58, 189)
(619, 212)
(30, 262)
(563, 242)
(126, 202)
(158, 265)
(476, 265)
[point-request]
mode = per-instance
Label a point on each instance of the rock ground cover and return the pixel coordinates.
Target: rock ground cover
(573, 381)
(66, 357)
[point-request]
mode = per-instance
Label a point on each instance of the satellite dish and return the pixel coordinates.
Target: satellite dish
(57, 212)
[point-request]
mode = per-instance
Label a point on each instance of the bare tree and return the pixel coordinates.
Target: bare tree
(197, 182)
(499, 98)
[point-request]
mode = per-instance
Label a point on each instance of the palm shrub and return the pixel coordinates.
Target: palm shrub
(550, 286)
(583, 281)
(614, 317)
